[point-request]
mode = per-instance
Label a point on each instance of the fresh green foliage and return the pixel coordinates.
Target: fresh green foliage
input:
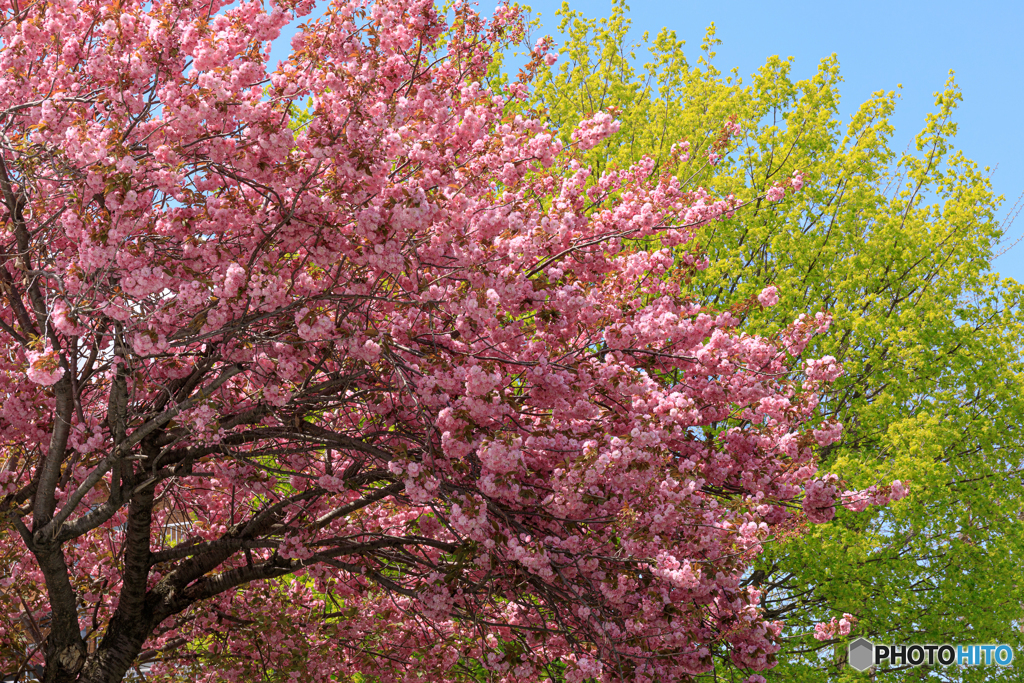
(897, 247)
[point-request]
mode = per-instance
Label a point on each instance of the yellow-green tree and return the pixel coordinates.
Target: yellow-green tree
(897, 247)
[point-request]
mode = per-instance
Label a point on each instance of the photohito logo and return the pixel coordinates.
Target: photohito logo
(862, 654)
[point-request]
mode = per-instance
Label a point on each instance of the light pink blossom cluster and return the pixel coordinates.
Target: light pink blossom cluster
(44, 366)
(858, 501)
(822, 495)
(820, 499)
(769, 296)
(541, 49)
(835, 628)
(593, 131)
(775, 193)
(64, 320)
(802, 330)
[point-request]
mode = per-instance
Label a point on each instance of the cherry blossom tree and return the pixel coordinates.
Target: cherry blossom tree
(395, 387)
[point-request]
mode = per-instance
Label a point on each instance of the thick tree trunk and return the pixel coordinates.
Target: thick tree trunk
(67, 659)
(65, 649)
(117, 653)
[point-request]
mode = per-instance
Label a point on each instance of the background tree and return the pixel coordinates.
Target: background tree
(384, 389)
(897, 248)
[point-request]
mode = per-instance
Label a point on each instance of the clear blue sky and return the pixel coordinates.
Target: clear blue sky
(880, 44)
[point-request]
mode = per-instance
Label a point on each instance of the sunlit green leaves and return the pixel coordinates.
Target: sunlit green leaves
(896, 247)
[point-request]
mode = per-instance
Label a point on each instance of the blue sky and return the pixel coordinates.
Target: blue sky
(880, 44)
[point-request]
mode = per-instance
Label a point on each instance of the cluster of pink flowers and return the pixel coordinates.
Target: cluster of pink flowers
(858, 501)
(8, 482)
(802, 330)
(820, 499)
(292, 547)
(593, 131)
(822, 495)
(769, 296)
(44, 367)
(87, 438)
(64, 321)
(777, 192)
(825, 369)
(541, 49)
(147, 343)
(835, 628)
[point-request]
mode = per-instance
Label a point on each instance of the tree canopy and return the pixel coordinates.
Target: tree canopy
(897, 248)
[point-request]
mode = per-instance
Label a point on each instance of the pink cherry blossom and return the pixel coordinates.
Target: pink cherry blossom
(860, 500)
(835, 628)
(44, 366)
(820, 499)
(769, 296)
(594, 130)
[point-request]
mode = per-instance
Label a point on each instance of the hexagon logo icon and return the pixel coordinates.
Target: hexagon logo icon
(861, 654)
